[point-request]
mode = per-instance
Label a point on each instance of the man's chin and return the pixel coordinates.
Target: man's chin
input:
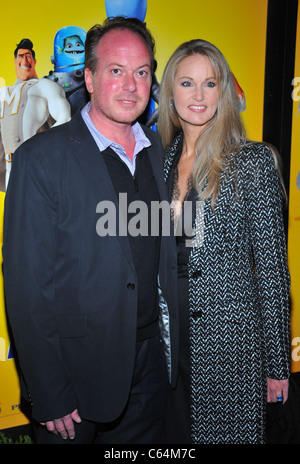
(24, 75)
(130, 116)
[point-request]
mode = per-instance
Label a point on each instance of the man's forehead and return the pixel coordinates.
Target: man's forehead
(121, 41)
(23, 51)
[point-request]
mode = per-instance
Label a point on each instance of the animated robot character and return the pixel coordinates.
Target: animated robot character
(68, 60)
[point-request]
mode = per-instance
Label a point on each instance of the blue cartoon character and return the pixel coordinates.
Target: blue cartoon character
(129, 8)
(68, 60)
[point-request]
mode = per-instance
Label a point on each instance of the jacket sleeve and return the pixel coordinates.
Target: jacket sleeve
(2, 164)
(265, 221)
(30, 216)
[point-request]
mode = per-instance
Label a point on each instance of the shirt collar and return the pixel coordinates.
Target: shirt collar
(141, 141)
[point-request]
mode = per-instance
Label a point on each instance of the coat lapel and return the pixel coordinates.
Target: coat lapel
(94, 168)
(171, 153)
(156, 164)
(155, 153)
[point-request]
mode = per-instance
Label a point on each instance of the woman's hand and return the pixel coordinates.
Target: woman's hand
(277, 388)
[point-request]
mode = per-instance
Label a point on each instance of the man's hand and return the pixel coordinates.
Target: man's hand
(64, 426)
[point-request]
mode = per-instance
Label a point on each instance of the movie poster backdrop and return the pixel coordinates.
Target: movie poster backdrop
(237, 28)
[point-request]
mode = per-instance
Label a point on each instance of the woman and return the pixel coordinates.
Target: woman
(233, 275)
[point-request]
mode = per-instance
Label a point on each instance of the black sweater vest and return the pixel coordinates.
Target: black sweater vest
(145, 247)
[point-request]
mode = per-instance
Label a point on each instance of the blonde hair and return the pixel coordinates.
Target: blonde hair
(222, 135)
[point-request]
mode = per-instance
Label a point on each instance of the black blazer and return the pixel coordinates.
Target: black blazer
(69, 293)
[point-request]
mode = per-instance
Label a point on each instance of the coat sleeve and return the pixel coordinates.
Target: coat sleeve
(265, 221)
(2, 164)
(30, 216)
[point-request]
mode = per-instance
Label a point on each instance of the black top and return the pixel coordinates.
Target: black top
(182, 237)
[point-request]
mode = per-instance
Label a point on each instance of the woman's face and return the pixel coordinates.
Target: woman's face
(195, 92)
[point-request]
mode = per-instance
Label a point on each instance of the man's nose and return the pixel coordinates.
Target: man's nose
(129, 83)
(25, 60)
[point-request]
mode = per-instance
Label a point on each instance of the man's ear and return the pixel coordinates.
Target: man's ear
(88, 76)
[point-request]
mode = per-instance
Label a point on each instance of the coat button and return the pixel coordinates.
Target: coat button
(196, 274)
(131, 286)
(196, 314)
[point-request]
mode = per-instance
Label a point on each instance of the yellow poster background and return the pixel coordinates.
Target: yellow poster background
(294, 210)
(237, 27)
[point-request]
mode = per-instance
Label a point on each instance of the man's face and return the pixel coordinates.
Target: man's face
(120, 87)
(25, 64)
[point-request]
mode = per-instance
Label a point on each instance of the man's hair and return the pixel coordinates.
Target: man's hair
(96, 33)
(27, 45)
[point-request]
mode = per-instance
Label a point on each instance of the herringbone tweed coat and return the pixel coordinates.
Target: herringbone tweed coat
(238, 299)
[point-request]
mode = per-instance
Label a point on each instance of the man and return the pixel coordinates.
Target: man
(85, 314)
(26, 107)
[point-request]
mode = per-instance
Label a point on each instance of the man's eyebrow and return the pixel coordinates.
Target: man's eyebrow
(22, 54)
(147, 65)
(124, 66)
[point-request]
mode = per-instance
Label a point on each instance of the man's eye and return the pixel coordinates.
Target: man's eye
(142, 73)
(115, 71)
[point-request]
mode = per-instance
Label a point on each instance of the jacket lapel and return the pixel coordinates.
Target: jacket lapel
(171, 153)
(94, 168)
(155, 153)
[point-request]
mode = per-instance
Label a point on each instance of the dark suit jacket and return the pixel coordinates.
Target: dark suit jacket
(69, 292)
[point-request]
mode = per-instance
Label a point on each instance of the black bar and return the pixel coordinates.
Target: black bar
(279, 73)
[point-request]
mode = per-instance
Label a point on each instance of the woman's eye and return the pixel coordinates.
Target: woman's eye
(211, 84)
(186, 84)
